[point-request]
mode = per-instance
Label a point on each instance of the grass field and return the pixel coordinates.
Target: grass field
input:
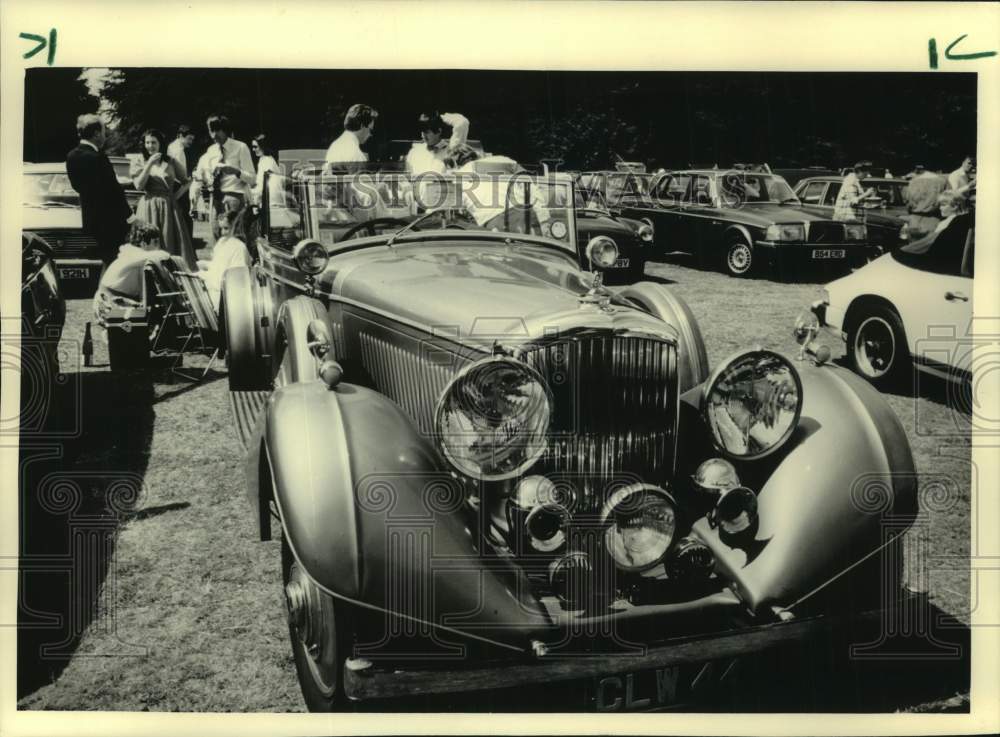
(189, 614)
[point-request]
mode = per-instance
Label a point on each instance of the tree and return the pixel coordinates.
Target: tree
(53, 98)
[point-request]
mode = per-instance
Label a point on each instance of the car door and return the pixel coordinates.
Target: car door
(812, 193)
(671, 222)
(937, 312)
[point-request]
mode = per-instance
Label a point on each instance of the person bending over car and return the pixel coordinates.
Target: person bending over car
(431, 153)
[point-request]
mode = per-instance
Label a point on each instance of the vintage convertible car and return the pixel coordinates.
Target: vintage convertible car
(906, 307)
(739, 220)
(488, 471)
(885, 214)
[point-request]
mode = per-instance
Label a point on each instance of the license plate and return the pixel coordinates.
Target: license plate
(662, 688)
(829, 253)
(74, 273)
(621, 263)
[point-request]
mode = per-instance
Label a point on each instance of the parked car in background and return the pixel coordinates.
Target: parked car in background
(744, 222)
(905, 308)
(43, 313)
(794, 176)
(52, 212)
(483, 465)
(885, 214)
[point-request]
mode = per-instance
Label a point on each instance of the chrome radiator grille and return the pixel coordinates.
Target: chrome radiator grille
(825, 232)
(614, 396)
(615, 408)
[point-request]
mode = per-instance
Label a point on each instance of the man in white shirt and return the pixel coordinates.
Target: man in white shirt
(226, 169)
(430, 154)
(959, 180)
(359, 123)
(178, 150)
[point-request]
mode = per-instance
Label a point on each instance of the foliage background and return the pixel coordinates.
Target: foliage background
(671, 119)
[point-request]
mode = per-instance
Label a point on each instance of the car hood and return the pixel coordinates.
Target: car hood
(764, 214)
(878, 276)
(47, 218)
(481, 293)
(602, 225)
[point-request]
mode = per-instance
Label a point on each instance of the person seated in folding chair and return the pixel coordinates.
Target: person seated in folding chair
(228, 252)
(121, 284)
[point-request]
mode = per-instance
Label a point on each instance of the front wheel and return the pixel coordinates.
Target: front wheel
(876, 346)
(738, 257)
(320, 635)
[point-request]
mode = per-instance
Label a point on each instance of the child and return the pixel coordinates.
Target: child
(228, 252)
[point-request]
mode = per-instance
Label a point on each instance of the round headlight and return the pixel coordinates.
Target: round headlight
(645, 233)
(752, 404)
(640, 523)
(493, 418)
(310, 256)
(602, 252)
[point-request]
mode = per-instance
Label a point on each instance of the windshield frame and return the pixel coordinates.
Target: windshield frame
(32, 195)
(394, 199)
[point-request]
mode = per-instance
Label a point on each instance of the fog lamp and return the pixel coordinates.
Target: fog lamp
(715, 475)
(645, 233)
(640, 523)
(690, 560)
(602, 252)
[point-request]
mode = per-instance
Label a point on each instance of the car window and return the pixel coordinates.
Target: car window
(701, 190)
(812, 193)
(942, 256)
(889, 192)
(831, 194)
(738, 187)
(673, 188)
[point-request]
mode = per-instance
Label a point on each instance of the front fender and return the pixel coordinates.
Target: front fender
(845, 482)
(373, 518)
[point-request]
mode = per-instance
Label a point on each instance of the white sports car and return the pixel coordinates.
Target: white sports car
(905, 307)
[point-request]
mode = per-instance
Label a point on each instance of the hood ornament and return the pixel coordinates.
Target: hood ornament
(598, 295)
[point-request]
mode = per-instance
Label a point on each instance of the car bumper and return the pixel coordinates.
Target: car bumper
(364, 681)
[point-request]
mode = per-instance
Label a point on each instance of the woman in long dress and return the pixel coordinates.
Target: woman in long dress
(266, 161)
(163, 180)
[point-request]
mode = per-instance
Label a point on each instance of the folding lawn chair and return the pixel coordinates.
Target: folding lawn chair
(191, 305)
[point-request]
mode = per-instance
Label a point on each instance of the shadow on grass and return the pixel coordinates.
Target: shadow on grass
(955, 396)
(80, 475)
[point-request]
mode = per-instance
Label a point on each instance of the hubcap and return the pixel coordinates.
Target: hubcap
(739, 258)
(310, 614)
(875, 347)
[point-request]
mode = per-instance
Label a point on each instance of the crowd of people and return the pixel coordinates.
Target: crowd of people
(228, 179)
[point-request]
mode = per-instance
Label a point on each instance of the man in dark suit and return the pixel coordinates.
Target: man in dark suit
(105, 210)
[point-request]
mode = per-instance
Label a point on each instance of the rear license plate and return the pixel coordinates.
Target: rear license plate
(621, 263)
(829, 253)
(662, 688)
(74, 273)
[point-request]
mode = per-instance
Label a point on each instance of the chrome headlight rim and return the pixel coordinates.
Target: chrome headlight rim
(462, 376)
(645, 232)
(720, 371)
(614, 503)
(598, 249)
(307, 253)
